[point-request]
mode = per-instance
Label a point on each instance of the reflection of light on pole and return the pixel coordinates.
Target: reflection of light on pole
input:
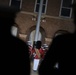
(38, 20)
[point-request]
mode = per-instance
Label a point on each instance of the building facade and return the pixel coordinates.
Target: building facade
(56, 15)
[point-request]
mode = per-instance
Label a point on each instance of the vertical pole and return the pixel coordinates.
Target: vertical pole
(38, 20)
(37, 29)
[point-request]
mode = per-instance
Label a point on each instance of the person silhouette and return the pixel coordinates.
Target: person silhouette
(60, 57)
(13, 51)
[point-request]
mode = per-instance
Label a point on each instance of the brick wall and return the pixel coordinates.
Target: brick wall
(52, 24)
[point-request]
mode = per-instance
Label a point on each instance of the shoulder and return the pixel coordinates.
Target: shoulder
(62, 41)
(18, 42)
(63, 38)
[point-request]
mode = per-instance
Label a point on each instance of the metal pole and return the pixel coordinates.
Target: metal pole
(38, 20)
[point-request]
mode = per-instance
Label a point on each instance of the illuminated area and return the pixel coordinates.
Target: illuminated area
(39, 20)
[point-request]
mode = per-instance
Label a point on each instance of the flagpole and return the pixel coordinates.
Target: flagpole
(38, 21)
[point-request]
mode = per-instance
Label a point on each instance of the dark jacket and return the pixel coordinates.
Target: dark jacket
(14, 53)
(61, 51)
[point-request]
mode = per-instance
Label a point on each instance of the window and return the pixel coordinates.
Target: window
(32, 36)
(14, 31)
(16, 3)
(66, 10)
(37, 3)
